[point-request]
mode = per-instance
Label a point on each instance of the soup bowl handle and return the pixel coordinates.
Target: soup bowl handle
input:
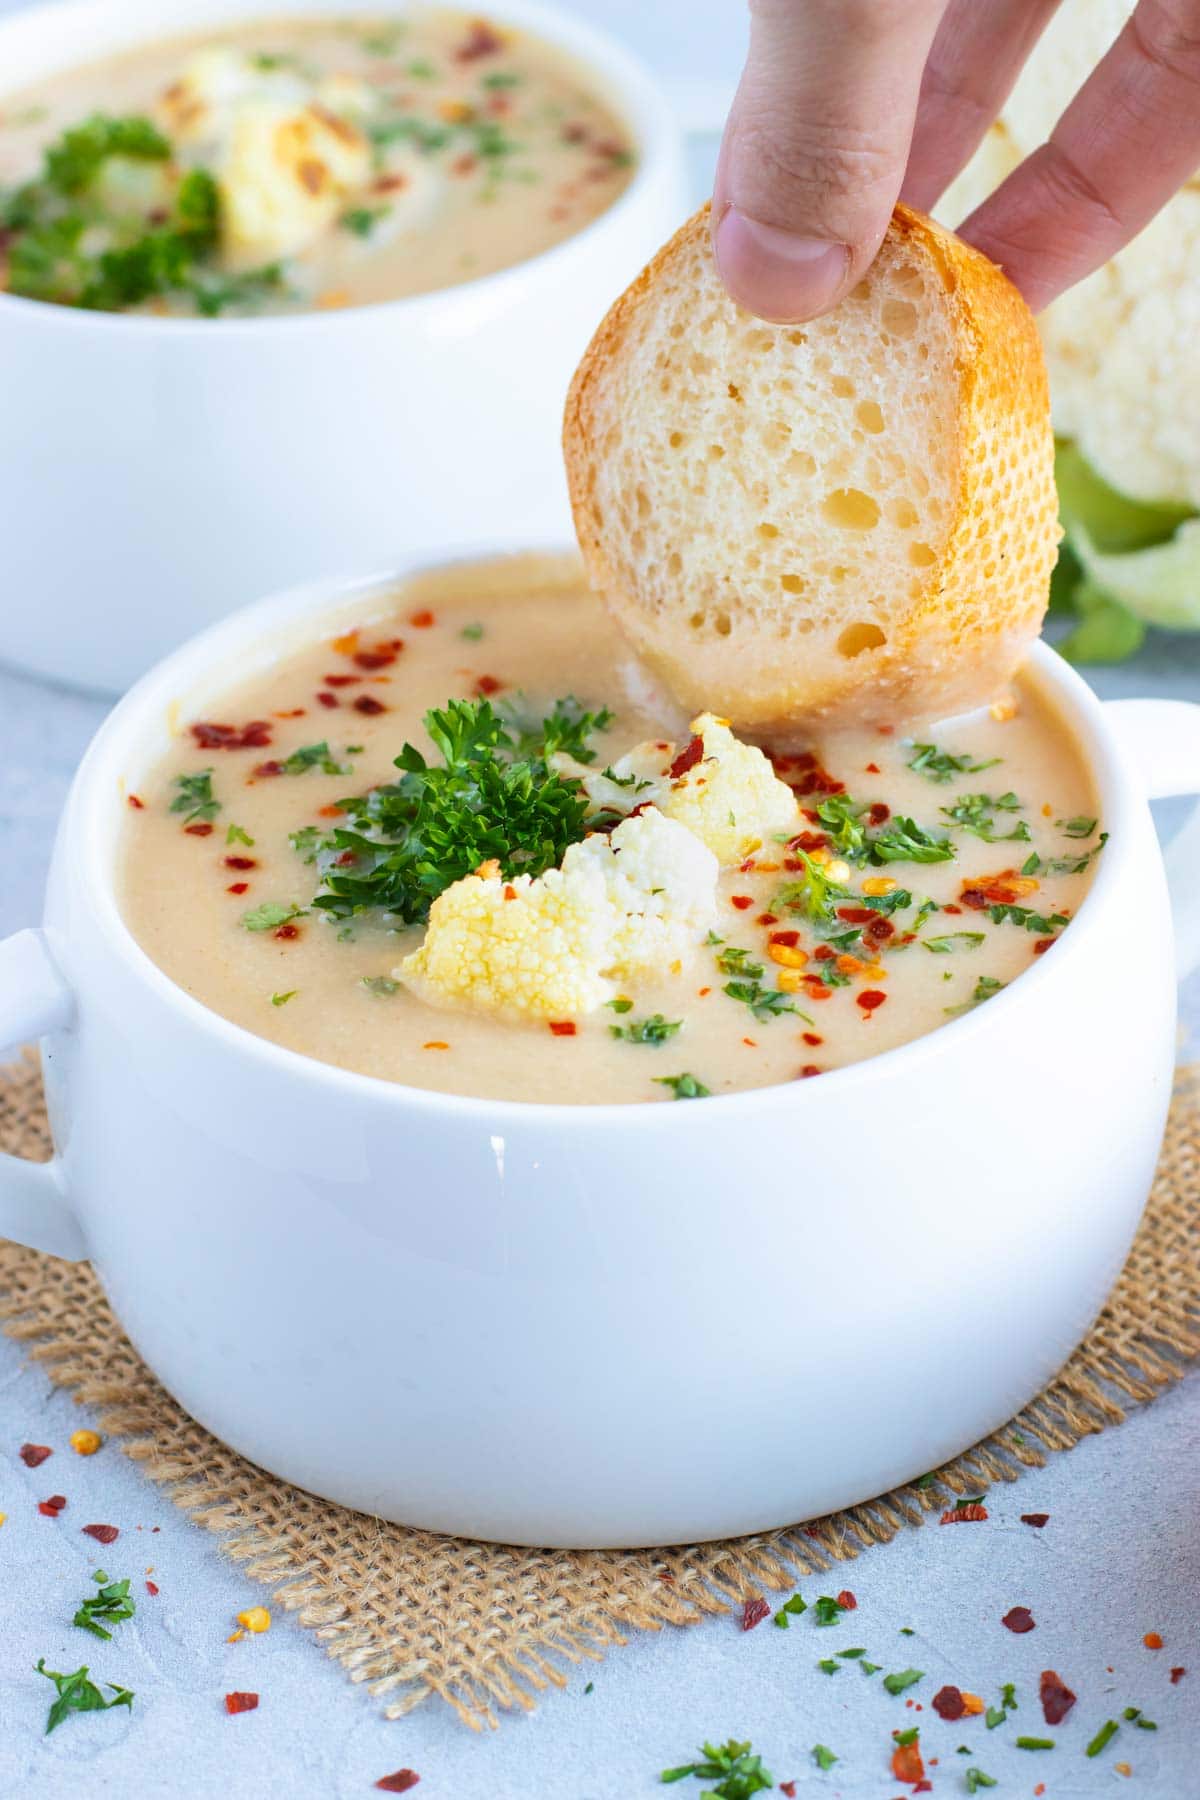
(34, 1000)
(1161, 739)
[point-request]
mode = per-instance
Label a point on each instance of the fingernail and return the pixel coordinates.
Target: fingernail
(775, 274)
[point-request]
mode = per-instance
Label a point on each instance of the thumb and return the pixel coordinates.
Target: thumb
(815, 148)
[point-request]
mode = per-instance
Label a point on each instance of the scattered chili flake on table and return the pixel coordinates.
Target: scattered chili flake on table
(948, 1703)
(51, 1508)
(1152, 1641)
(152, 1587)
(788, 1788)
(847, 1600)
(399, 1783)
(103, 1534)
(754, 1612)
(907, 1764)
(240, 1703)
(1019, 1619)
(33, 1455)
(1177, 1676)
(1037, 1520)
(969, 1513)
(1057, 1698)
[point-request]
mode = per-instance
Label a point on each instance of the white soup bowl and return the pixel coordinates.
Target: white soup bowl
(599, 1325)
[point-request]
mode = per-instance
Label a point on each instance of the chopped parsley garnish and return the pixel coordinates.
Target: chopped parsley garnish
(986, 988)
(77, 1694)
(813, 894)
(1063, 865)
(823, 1756)
(903, 1678)
(994, 1716)
(620, 1004)
(652, 1030)
(976, 1780)
(563, 732)
(195, 797)
(976, 813)
(900, 840)
(791, 1609)
(111, 222)
(765, 1003)
(380, 985)
(493, 798)
(1044, 924)
(472, 633)
(1078, 827)
(827, 1666)
(870, 1668)
(903, 840)
(362, 220)
(907, 1737)
(737, 1771)
(941, 766)
(271, 914)
(282, 999)
(855, 1650)
(942, 946)
(827, 1611)
(109, 1605)
(684, 1087)
(235, 835)
(1008, 1696)
(1103, 1737)
(306, 842)
(314, 756)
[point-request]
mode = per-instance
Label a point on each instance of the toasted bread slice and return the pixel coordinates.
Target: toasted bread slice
(851, 521)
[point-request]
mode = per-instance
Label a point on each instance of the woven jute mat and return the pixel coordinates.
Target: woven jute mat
(484, 1626)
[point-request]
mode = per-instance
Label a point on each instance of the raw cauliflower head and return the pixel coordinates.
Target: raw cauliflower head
(1122, 347)
(559, 945)
(724, 791)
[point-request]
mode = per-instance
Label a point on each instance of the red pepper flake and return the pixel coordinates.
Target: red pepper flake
(1056, 1697)
(906, 1762)
(267, 768)
(202, 830)
(687, 759)
(328, 699)
(254, 736)
(878, 813)
(335, 681)
(563, 1027)
(948, 1703)
(971, 1514)
(374, 659)
(789, 939)
(812, 1037)
(367, 703)
(139, 805)
(857, 915)
(240, 862)
(823, 953)
(152, 1587)
(873, 769)
(1042, 945)
(287, 931)
(879, 931)
(924, 1787)
(816, 990)
(808, 1071)
(333, 811)
(422, 620)
(788, 1788)
(297, 712)
(754, 1612)
(1018, 1619)
(1152, 1641)
(239, 1703)
(848, 1600)
(481, 40)
(34, 1455)
(767, 919)
(951, 908)
(238, 887)
(103, 1534)
(1177, 1676)
(399, 1783)
(741, 901)
(869, 999)
(51, 1508)
(808, 841)
(1037, 1520)
(1039, 1790)
(488, 684)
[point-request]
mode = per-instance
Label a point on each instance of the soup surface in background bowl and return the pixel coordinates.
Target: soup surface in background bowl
(301, 163)
(914, 882)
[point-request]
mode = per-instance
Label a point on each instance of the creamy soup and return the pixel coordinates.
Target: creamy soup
(915, 881)
(301, 163)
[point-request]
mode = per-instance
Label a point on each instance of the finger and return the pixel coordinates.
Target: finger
(815, 147)
(1128, 140)
(980, 48)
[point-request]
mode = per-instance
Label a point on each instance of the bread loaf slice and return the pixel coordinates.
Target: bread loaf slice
(846, 522)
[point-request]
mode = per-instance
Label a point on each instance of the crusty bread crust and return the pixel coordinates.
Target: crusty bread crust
(906, 637)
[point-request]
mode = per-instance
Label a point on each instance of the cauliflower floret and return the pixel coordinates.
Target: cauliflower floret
(724, 791)
(557, 946)
(1122, 347)
(286, 151)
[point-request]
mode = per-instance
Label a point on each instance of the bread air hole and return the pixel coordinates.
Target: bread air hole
(921, 556)
(862, 636)
(870, 416)
(851, 509)
(792, 584)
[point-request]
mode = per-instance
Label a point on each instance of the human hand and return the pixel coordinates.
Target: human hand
(846, 105)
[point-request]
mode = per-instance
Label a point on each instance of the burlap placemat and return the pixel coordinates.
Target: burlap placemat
(484, 1626)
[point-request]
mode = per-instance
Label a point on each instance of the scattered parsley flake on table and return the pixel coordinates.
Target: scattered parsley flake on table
(76, 1693)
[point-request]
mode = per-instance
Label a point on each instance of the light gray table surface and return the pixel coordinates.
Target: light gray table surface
(1120, 1556)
